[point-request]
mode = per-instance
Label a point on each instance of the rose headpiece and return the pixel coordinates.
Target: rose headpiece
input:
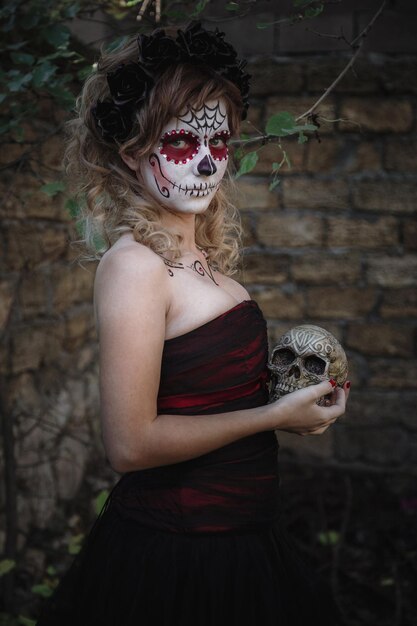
(131, 83)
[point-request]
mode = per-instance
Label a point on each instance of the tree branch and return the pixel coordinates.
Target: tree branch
(264, 139)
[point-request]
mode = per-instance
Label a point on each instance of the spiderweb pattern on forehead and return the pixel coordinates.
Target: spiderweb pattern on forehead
(209, 119)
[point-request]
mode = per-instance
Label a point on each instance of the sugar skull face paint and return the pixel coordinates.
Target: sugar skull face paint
(186, 168)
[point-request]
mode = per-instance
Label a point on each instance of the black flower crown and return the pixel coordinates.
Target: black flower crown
(130, 84)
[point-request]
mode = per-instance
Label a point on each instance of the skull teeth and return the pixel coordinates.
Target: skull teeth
(283, 389)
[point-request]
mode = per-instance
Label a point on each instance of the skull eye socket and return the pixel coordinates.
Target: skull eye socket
(283, 357)
(315, 365)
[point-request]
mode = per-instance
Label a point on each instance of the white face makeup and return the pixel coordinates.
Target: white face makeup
(186, 168)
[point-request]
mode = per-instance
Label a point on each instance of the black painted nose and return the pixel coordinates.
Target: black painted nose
(207, 166)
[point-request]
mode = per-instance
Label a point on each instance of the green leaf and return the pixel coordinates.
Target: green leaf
(387, 582)
(42, 590)
(247, 164)
(239, 153)
(57, 35)
(280, 124)
(51, 189)
(20, 81)
(302, 138)
(100, 501)
(22, 57)
(311, 127)
(313, 11)
(59, 54)
(328, 538)
(199, 8)
(51, 570)
(43, 73)
(71, 205)
(232, 6)
(6, 565)
(274, 184)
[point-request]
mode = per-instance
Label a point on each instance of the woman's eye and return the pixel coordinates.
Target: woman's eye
(178, 143)
(217, 142)
(218, 146)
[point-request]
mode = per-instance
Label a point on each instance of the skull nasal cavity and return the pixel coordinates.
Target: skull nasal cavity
(294, 371)
(207, 166)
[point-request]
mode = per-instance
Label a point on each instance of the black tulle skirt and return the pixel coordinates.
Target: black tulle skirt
(127, 575)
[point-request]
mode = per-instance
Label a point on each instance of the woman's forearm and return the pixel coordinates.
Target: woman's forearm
(171, 439)
(168, 439)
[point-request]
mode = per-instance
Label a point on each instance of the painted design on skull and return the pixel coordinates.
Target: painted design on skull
(306, 355)
(207, 121)
(198, 191)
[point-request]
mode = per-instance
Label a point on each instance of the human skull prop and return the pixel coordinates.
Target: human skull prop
(306, 355)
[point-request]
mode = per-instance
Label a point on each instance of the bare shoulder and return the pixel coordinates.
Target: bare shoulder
(130, 258)
(130, 273)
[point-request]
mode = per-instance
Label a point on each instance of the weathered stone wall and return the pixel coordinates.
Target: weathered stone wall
(335, 243)
(48, 350)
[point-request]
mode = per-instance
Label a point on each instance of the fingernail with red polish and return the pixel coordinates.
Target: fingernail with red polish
(333, 382)
(348, 384)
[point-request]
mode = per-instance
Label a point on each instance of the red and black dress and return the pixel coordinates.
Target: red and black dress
(196, 543)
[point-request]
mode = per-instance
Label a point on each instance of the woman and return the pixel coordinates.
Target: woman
(190, 533)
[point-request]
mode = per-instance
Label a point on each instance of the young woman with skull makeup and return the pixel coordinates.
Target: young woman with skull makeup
(190, 533)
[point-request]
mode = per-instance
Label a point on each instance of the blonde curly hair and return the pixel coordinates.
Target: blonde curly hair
(115, 199)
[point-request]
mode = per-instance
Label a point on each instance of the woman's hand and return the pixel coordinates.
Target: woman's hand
(298, 412)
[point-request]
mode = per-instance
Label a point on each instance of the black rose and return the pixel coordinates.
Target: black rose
(206, 47)
(157, 51)
(129, 84)
(113, 122)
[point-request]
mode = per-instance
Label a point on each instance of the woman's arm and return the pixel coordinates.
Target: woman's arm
(132, 301)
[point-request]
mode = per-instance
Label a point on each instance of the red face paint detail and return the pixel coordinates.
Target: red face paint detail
(218, 145)
(178, 145)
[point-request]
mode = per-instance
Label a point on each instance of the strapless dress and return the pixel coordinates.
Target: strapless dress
(197, 543)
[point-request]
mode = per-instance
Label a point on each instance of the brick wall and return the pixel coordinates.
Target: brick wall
(335, 243)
